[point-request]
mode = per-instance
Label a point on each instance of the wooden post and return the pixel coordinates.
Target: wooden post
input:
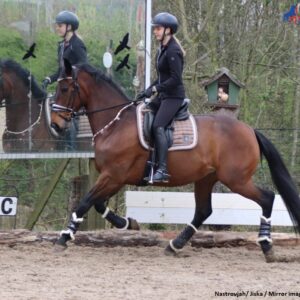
(79, 186)
(46, 193)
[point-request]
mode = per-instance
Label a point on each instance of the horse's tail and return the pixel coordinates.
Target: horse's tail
(281, 178)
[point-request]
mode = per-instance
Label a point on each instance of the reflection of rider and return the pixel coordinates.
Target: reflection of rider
(71, 48)
(168, 85)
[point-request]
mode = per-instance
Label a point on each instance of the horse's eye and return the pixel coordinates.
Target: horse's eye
(64, 89)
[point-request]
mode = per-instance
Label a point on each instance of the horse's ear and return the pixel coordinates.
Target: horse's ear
(74, 72)
(68, 68)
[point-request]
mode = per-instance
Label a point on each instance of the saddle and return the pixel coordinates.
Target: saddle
(181, 133)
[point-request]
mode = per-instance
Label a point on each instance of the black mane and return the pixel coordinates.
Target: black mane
(99, 76)
(23, 74)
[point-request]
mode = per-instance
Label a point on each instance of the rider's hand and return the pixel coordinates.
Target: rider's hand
(146, 93)
(140, 95)
(45, 83)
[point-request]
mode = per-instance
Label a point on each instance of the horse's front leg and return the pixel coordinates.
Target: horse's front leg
(76, 218)
(97, 196)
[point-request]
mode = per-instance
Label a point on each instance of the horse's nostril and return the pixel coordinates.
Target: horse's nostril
(56, 127)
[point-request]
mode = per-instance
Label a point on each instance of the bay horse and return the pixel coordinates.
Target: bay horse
(15, 85)
(228, 151)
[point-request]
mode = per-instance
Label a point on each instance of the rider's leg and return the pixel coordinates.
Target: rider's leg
(163, 117)
(161, 146)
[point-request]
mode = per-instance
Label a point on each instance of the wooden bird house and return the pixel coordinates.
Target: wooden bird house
(223, 91)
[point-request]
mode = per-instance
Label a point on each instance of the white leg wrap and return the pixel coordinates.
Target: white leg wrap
(264, 238)
(105, 213)
(75, 219)
(265, 219)
(126, 226)
(191, 225)
(173, 247)
(68, 232)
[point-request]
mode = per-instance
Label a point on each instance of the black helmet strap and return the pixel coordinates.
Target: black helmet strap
(67, 30)
(165, 34)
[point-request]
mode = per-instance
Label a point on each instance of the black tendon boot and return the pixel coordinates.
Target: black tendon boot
(161, 146)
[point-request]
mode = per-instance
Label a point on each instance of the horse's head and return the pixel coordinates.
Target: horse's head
(15, 82)
(85, 86)
(67, 99)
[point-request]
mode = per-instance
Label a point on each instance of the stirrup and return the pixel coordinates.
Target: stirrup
(161, 176)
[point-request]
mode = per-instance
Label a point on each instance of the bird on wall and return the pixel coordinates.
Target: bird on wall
(30, 52)
(123, 44)
(123, 63)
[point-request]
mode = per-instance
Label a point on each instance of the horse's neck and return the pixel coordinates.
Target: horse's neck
(17, 111)
(40, 129)
(100, 119)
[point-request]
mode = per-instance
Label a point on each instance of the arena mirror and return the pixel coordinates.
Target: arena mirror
(111, 31)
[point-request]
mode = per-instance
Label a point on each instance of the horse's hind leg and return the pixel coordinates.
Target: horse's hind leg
(203, 210)
(264, 199)
(117, 221)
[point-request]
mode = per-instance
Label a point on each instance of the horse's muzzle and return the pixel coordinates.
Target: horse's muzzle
(56, 128)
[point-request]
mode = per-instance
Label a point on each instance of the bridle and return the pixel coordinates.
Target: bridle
(63, 110)
(73, 114)
(67, 112)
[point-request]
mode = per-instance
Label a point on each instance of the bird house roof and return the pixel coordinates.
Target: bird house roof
(219, 74)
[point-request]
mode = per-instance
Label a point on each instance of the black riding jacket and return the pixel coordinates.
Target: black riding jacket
(74, 51)
(169, 68)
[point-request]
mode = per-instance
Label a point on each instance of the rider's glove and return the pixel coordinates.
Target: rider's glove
(146, 93)
(45, 83)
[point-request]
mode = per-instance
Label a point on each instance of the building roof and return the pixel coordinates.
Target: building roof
(220, 73)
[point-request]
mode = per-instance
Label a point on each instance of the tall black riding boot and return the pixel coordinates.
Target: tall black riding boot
(161, 146)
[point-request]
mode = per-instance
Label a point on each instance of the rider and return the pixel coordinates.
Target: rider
(71, 48)
(168, 85)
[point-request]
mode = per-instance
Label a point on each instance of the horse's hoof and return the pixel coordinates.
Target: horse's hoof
(169, 251)
(270, 256)
(61, 243)
(134, 225)
(58, 248)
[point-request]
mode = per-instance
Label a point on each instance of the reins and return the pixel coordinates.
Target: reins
(73, 114)
(30, 126)
(84, 112)
(116, 118)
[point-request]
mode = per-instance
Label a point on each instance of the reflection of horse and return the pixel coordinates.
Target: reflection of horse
(14, 88)
(227, 151)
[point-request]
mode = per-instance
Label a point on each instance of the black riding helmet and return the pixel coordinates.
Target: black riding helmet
(67, 17)
(166, 20)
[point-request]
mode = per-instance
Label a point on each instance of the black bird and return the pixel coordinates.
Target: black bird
(30, 52)
(123, 44)
(123, 63)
